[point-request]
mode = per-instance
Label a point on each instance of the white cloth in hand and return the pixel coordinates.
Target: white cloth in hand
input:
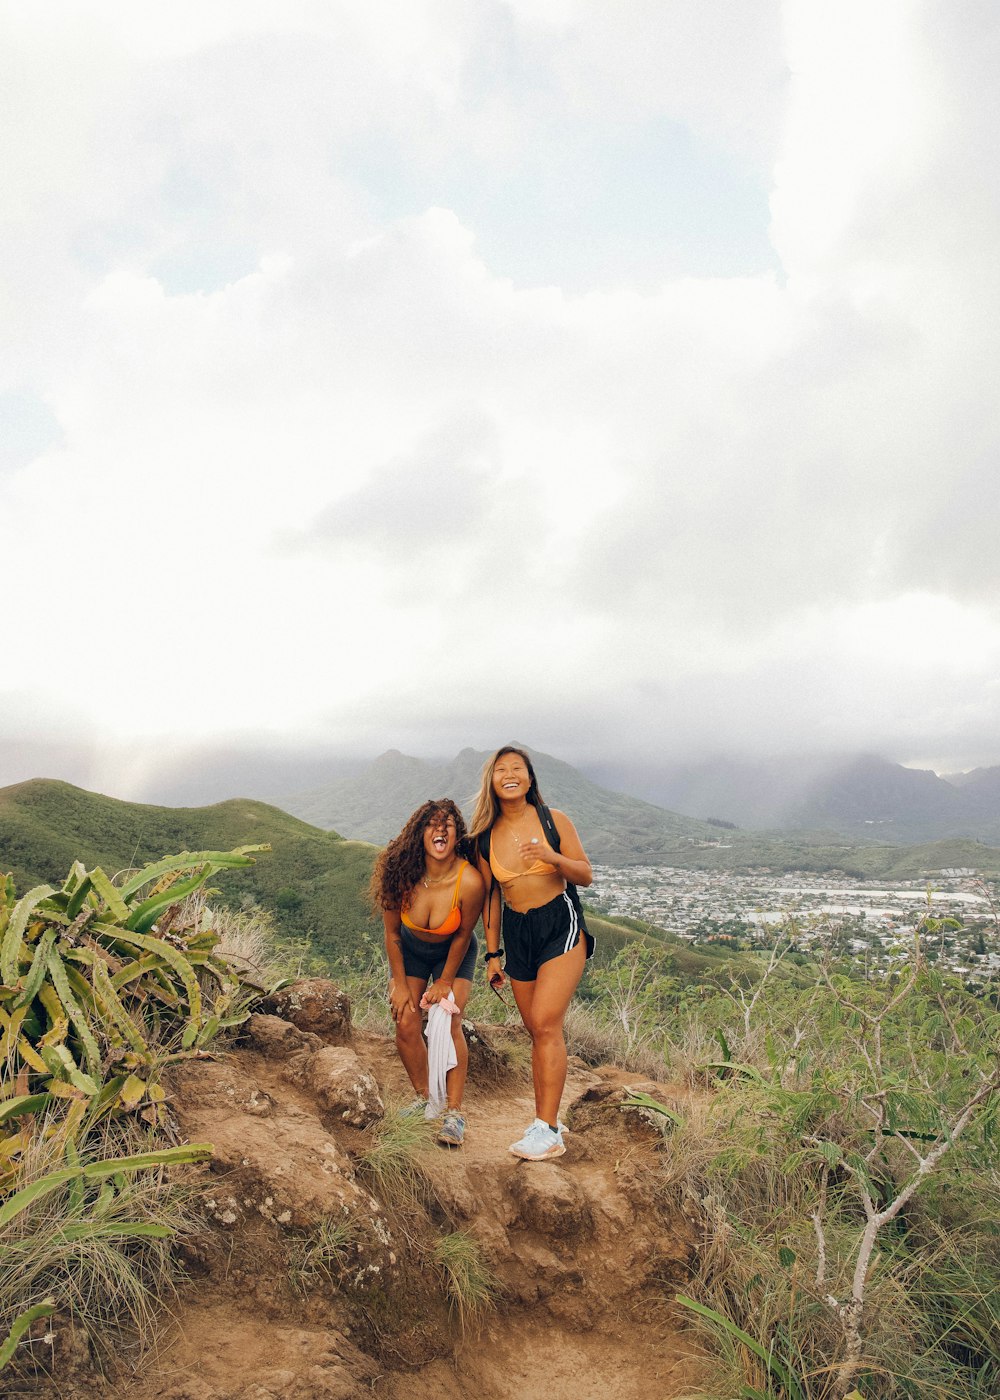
(441, 1054)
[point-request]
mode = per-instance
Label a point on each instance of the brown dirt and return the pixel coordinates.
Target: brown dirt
(586, 1249)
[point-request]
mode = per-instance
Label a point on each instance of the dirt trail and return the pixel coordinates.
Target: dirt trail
(585, 1249)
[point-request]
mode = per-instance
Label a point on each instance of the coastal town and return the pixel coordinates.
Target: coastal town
(953, 908)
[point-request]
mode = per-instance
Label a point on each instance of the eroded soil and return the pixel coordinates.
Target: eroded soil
(586, 1251)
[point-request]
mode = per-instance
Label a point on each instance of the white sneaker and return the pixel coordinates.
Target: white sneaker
(539, 1143)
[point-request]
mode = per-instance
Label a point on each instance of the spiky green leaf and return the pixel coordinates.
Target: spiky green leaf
(21, 1324)
(188, 860)
(11, 946)
(98, 1171)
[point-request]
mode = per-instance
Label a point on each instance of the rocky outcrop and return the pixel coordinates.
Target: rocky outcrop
(316, 1006)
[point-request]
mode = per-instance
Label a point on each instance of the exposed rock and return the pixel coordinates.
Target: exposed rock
(549, 1200)
(277, 1038)
(490, 1051)
(607, 1102)
(302, 1284)
(291, 1172)
(344, 1087)
(315, 1005)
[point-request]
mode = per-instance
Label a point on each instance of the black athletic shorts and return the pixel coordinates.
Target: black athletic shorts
(422, 958)
(538, 935)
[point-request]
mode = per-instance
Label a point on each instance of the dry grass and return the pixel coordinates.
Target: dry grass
(473, 1289)
(392, 1163)
(79, 1248)
(602, 1042)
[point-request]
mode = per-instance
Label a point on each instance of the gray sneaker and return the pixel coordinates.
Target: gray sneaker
(416, 1109)
(452, 1129)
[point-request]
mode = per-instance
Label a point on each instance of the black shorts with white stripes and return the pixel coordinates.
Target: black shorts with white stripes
(538, 935)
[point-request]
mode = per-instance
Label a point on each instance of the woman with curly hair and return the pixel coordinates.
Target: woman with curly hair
(431, 898)
(531, 860)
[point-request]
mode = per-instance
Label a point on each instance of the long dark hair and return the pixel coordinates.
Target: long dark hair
(403, 862)
(487, 803)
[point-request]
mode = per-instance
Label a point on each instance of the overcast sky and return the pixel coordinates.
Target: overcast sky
(378, 374)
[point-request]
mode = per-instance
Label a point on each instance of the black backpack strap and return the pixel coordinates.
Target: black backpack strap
(548, 826)
(552, 836)
(483, 847)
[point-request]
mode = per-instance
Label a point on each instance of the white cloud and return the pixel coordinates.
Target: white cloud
(334, 473)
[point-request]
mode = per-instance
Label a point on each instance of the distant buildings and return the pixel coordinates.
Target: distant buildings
(876, 924)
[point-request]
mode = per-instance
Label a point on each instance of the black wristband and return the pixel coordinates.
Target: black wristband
(487, 957)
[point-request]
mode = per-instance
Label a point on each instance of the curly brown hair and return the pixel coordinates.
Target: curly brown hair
(404, 861)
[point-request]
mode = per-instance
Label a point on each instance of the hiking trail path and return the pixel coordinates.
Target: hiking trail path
(588, 1248)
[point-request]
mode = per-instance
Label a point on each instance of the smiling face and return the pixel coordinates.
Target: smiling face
(511, 777)
(440, 836)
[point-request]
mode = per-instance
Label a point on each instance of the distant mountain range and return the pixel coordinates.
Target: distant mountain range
(846, 816)
(314, 881)
(861, 796)
(374, 804)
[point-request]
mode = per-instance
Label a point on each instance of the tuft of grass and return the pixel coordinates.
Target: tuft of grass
(473, 1289)
(599, 1041)
(366, 980)
(322, 1256)
(391, 1164)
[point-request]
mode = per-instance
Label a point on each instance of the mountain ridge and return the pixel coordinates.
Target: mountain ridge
(374, 804)
(859, 795)
(618, 829)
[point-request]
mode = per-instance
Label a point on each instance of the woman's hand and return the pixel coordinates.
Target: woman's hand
(437, 991)
(538, 849)
(495, 975)
(400, 999)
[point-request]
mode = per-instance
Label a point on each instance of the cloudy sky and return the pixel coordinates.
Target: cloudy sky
(618, 376)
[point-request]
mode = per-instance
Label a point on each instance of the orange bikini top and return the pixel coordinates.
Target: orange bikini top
(504, 877)
(452, 921)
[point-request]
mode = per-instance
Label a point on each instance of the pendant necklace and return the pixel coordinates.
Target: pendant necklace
(440, 878)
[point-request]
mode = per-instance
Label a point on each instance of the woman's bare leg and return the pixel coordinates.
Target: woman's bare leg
(461, 988)
(543, 1005)
(410, 1041)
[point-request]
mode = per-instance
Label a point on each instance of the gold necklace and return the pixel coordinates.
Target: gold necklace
(518, 831)
(441, 878)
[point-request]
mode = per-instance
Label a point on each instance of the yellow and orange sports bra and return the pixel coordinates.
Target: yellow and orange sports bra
(504, 876)
(452, 921)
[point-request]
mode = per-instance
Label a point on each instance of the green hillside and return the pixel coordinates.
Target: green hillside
(313, 880)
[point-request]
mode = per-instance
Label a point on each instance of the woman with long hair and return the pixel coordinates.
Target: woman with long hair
(528, 857)
(431, 898)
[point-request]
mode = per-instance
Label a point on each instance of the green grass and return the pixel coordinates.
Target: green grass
(391, 1163)
(46, 825)
(320, 1257)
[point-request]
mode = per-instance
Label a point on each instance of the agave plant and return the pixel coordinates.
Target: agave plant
(101, 985)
